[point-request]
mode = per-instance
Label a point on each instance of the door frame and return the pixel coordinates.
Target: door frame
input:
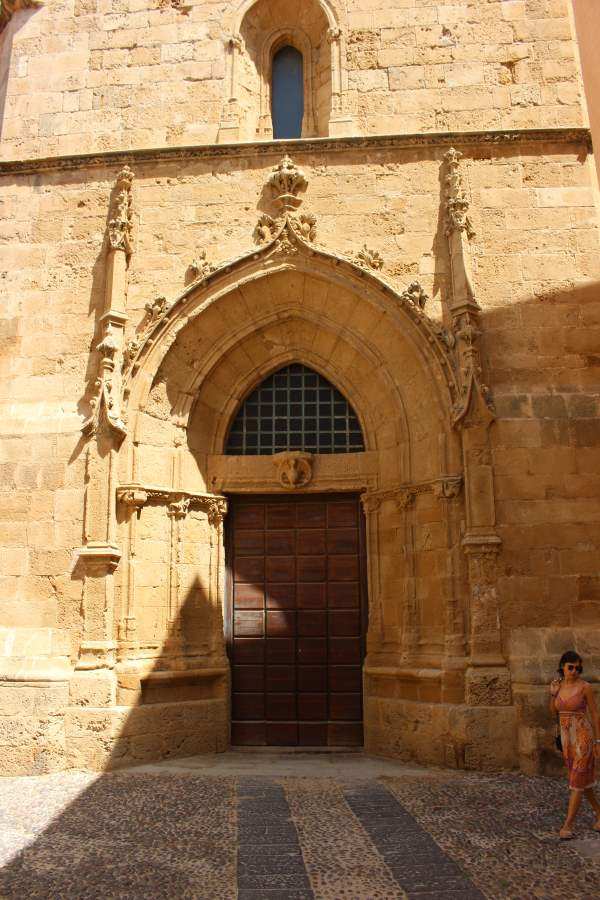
(308, 496)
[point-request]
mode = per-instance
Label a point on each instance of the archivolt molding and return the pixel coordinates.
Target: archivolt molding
(287, 242)
(236, 17)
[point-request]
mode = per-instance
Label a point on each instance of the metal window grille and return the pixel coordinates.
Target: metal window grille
(295, 409)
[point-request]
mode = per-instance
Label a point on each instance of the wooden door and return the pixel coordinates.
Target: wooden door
(296, 620)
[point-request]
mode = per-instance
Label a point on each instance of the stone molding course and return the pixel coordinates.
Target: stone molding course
(256, 149)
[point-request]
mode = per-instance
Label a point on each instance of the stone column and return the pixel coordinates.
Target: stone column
(371, 504)
(405, 501)
(216, 510)
(177, 511)
(133, 501)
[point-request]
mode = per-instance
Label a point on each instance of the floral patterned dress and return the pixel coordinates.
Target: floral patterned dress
(577, 738)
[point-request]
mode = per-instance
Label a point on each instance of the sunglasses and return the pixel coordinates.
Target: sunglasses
(573, 667)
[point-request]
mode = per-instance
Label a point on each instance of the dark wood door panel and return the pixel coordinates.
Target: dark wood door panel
(280, 543)
(249, 623)
(248, 596)
(295, 625)
(312, 542)
(281, 596)
(281, 624)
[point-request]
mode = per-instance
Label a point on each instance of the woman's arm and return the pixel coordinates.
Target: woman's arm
(591, 702)
(554, 689)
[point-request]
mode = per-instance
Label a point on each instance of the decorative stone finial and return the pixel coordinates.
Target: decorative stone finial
(120, 224)
(457, 204)
(286, 181)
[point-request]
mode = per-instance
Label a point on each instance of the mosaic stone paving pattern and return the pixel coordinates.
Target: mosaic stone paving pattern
(177, 832)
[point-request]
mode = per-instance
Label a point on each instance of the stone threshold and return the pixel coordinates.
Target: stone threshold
(501, 138)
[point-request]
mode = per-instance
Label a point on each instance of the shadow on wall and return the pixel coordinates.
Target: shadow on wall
(114, 836)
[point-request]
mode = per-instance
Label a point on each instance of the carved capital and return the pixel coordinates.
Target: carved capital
(334, 35)
(132, 496)
(294, 468)
(235, 42)
(447, 488)
(405, 498)
(216, 510)
(370, 502)
(178, 509)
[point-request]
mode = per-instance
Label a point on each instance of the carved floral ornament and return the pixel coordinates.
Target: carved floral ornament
(178, 503)
(446, 487)
(291, 234)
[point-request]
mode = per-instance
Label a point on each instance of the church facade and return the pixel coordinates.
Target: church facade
(300, 400)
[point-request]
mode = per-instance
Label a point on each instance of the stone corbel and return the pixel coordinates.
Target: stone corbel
(97, 649)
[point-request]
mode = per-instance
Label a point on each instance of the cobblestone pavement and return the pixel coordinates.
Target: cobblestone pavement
(292, 827)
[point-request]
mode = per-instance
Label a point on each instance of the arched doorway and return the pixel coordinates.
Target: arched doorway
(296, 606)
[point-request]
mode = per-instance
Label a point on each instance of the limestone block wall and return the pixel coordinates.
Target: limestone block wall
(94, 75)
(536, 271)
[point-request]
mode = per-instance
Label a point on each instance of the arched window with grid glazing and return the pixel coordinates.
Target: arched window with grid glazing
(295, 408)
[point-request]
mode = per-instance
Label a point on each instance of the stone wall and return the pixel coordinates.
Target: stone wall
(99, 75)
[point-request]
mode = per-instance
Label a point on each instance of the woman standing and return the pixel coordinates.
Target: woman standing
(572, 699)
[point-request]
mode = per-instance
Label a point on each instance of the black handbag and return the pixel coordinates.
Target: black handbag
(557, 737)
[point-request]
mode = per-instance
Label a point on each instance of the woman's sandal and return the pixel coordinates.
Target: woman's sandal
(565, 834)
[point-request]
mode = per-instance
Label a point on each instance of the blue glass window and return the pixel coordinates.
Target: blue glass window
(295, 409)
(287, 93)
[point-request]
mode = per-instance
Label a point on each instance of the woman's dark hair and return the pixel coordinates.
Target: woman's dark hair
(569, 657)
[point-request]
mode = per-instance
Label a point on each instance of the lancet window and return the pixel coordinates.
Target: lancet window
(295, 408)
